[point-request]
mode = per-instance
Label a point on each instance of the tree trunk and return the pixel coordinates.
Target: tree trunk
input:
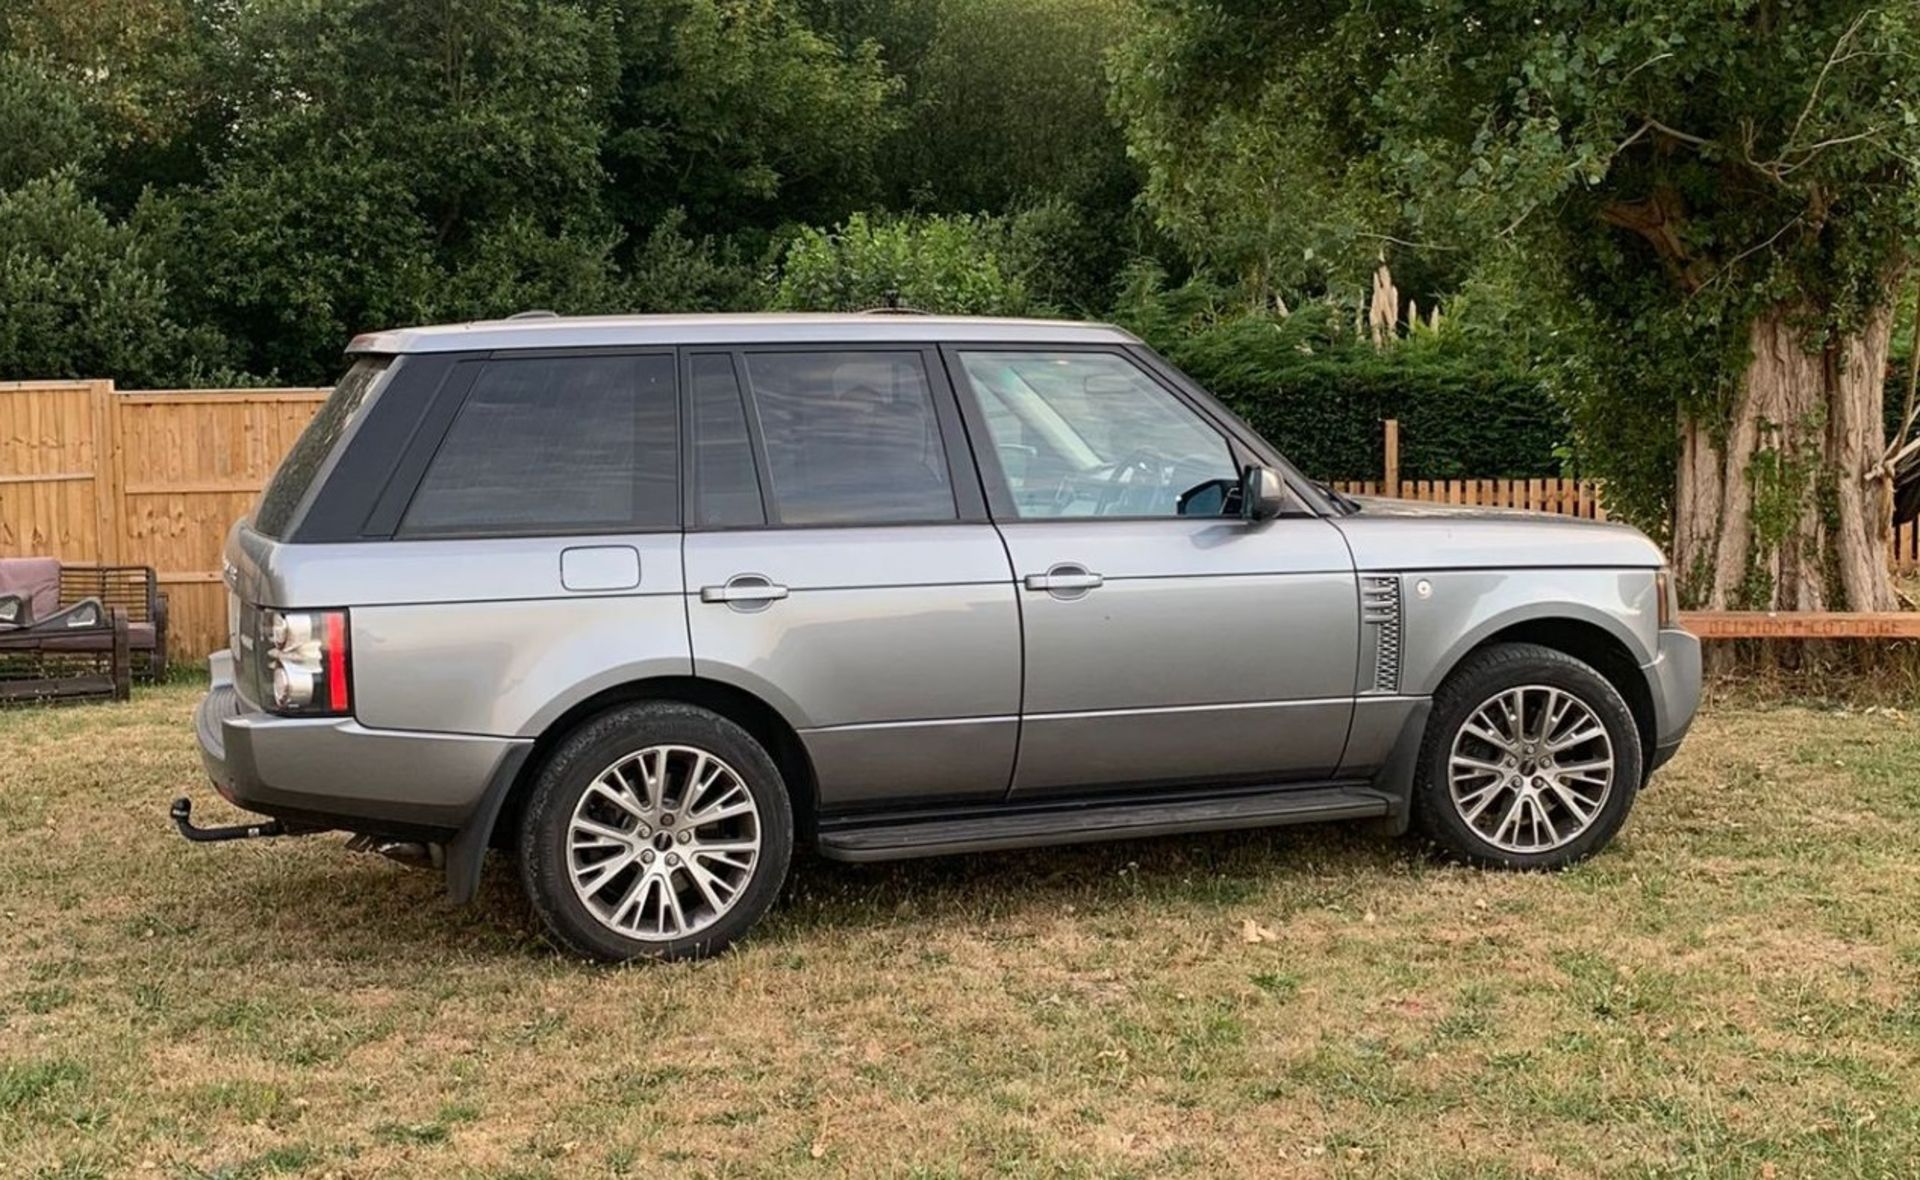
(1781, 507)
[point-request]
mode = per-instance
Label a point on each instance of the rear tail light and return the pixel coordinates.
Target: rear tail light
(1668, 609)
(308, 662)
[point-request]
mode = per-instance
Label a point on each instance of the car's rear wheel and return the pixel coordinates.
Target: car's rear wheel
(655, 830)
(1531, 760)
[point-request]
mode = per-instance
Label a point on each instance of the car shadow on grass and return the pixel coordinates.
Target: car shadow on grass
(356, 906)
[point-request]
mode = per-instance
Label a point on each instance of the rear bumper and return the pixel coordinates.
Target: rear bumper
(333, 772)
(1674, 678)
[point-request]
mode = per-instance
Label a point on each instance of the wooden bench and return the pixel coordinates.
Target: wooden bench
(1754, 624)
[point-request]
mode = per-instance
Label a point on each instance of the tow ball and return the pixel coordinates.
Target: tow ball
(182, 814)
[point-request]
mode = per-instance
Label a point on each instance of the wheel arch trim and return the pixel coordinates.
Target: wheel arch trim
(466, 852)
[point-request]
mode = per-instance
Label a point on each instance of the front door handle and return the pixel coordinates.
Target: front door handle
(1067, 579)
(744, 589)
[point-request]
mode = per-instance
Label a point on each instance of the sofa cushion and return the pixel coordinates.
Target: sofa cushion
(36, 579)
(139, 638)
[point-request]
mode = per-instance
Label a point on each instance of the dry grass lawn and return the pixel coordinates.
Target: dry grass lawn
(1732, 990)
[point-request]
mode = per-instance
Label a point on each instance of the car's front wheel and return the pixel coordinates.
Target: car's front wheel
(655, 830)
(1531, 760)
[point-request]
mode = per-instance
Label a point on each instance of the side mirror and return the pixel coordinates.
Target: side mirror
(1262, 493)
(13, 610)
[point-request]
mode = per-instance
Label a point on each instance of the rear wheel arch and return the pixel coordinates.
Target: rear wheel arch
(760, 719)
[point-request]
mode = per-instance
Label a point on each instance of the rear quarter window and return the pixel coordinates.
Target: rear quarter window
(557, 445)
(345, 406)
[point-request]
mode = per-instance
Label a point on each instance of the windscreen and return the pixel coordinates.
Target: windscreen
(316, 442)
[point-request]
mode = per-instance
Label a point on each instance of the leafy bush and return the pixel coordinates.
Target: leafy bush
(956, 265)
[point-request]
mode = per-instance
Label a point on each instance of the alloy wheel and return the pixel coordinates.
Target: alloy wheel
(663, 843)
(1531, 768)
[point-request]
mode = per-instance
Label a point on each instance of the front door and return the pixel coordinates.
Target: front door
(837, 568)
(1167, 641)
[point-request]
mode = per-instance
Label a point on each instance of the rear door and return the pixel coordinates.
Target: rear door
(840, 565)
(1167, 641)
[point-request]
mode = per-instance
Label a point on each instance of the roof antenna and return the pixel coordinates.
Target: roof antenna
(891, 305)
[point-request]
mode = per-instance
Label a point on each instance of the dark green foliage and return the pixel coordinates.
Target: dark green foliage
(1320, 395)
(243, 185)
(46, 124)
(1647, 177)
(1459, 419)
(79, 296)
(739, 114)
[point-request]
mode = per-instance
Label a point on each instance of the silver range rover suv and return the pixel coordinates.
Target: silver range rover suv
(653, 600)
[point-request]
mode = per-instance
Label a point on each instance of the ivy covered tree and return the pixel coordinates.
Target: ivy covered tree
(1702, 209)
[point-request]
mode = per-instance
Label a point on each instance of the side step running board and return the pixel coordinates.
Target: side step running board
(1083, 823)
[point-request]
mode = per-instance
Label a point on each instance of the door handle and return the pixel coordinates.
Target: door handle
(1067, 578)
(743, 588)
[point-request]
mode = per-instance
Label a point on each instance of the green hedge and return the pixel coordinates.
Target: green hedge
(1306, 382)
(1457, 420)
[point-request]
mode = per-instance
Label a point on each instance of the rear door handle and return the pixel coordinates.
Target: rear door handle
(744, 588)
(1068, 578)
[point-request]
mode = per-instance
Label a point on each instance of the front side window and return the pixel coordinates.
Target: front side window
(557, 444)
(1085, 434)
(850, 437)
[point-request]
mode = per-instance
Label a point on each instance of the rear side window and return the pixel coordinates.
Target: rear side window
(556, 444)
(850, 438)
(324, 431)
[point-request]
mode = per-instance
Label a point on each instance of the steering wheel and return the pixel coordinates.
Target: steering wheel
(1115, 489)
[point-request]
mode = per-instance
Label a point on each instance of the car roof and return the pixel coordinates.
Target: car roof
(553, 331)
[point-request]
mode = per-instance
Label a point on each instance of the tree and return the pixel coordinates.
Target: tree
(78, 295)
(48, 127)
(741, 117)
(1711, 201)
(1009, 106)
(378, 151)
(138, 69)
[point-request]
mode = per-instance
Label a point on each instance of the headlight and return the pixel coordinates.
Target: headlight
(307, 661)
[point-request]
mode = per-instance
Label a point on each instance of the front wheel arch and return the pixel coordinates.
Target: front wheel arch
(1594, 646)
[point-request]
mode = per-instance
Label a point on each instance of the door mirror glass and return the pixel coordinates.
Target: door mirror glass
(1263, 493)
(1215, 497)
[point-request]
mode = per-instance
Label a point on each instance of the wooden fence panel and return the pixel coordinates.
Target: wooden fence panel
(1906, 547)
(196, 462)
(53, 498)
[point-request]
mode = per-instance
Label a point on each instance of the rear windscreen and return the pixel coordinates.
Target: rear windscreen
(316, 442)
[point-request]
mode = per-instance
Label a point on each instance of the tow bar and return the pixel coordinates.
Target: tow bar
(182, 814)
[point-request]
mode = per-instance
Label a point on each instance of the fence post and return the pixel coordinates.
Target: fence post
(1392, 481)
(106, 473)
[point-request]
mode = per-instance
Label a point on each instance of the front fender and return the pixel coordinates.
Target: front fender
(1461, 609)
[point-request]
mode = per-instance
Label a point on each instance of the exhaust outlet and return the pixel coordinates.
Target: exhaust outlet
(411, 853)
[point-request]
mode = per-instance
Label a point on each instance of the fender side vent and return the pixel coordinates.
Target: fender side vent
(1380, 620)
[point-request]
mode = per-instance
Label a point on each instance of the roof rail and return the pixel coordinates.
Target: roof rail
(535, 313)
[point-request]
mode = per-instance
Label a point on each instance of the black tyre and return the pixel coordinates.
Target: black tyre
(1531, 760)
(655, 830)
